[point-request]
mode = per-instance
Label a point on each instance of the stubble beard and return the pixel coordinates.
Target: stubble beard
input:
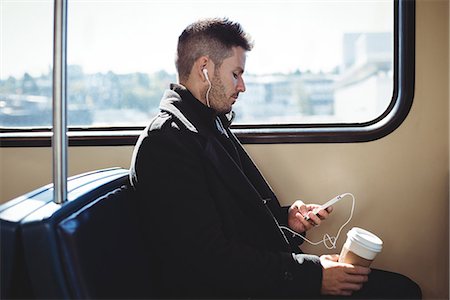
(217, 97)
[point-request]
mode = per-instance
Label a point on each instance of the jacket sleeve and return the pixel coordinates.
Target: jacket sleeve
(196, 255)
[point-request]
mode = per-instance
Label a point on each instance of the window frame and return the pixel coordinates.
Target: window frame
(391, 119)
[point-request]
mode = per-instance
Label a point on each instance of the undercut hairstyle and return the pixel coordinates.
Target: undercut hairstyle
(214, 38)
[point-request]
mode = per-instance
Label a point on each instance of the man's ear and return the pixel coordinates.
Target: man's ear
(200, 64)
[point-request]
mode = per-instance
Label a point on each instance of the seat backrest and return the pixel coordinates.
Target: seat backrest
(103, 252)
(15, 282)
(88, 247)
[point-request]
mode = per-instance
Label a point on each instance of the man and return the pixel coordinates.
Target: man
(211, 221)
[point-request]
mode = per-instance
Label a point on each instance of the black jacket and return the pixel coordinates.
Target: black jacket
(210, 219)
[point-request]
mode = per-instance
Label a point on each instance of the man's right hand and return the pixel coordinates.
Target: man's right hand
(340, 278)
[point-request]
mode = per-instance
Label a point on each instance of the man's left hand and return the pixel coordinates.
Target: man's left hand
(299, 211)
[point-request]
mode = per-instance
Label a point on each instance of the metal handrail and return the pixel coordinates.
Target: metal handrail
(59, 139)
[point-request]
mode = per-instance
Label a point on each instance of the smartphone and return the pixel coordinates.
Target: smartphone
(326, 205)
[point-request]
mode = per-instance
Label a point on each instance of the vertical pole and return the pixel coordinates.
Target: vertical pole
(59, 139)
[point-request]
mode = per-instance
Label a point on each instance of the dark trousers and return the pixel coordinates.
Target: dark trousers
(386, 285)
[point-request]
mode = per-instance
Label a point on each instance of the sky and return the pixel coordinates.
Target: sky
(140, 36)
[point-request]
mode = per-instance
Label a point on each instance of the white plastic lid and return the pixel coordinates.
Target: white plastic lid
(363, 243)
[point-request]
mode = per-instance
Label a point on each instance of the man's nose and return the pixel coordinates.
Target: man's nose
(241, 85)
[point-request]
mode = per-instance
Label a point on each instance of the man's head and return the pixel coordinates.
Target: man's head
(213, 38)
(219, 47)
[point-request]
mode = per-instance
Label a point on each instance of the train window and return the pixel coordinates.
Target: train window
(320, 71)
(26, 47)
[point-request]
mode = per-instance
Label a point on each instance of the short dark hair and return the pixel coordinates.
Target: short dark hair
(210, 37)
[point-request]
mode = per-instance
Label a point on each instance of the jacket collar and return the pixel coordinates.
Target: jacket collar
(179, 102)
(167, 105)
(194, 115)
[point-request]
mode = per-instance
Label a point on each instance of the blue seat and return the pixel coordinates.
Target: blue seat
(104, 253)
(89, 247)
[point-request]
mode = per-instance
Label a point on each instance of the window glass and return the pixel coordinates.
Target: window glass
(313, 62)
(26, 49)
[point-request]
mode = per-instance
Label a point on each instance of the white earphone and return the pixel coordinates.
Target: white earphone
(205, 71)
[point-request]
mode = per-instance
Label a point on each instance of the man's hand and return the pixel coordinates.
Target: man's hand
(299, 210)
(340, 278)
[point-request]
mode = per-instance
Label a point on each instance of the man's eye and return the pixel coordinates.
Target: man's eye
(235, 75)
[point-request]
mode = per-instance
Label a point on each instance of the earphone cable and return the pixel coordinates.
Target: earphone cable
(331, 239)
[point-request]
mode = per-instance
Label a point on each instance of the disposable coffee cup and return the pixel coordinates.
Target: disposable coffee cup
(360, 248)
